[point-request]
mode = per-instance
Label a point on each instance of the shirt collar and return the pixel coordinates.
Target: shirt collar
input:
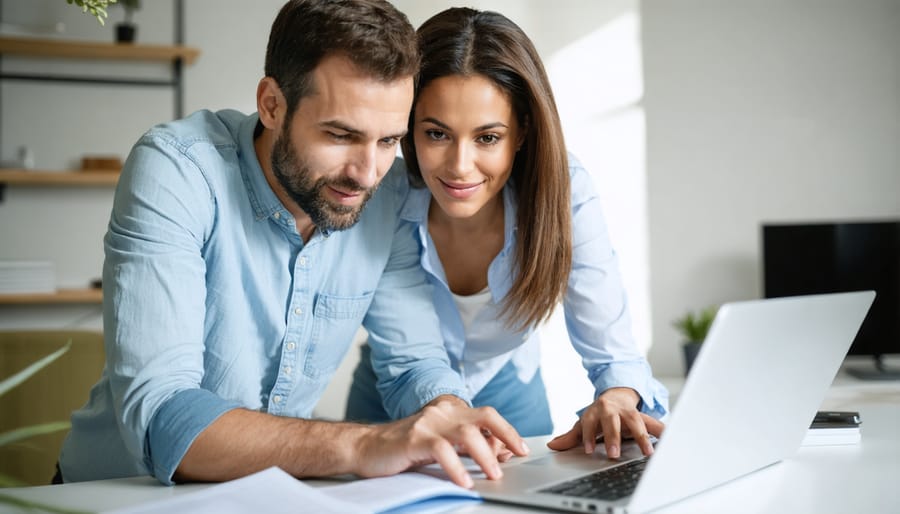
(415, 209)
(263, 200)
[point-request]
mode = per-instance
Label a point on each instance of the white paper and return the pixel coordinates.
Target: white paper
(429, 494)
(271, 491)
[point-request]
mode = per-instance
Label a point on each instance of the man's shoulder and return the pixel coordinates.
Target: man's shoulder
(219, 128)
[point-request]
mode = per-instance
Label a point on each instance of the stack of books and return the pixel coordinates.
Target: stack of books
(27, 277)
(833, 427)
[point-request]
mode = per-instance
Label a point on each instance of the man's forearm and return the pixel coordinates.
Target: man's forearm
(242, 441)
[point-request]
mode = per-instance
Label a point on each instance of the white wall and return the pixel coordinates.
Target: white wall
(760, 111)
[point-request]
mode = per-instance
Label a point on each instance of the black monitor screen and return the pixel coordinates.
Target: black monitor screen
(804, 259)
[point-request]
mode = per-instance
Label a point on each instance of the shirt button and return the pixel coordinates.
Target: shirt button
(276, 398)
(287, 370)
(298, 311)
(290, 345)
(303, 261)
(277, 215)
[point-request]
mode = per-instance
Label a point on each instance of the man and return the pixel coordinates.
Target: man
(240, 262)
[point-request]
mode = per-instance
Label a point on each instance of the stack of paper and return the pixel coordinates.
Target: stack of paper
(833, 428)
(27, 277)
(274, 491)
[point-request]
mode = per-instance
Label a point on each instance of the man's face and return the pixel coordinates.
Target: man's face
(332, 153)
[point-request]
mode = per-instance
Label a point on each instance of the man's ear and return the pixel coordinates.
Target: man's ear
(270, 103)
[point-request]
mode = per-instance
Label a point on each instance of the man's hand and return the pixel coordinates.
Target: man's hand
(613, 415)
(442, 428)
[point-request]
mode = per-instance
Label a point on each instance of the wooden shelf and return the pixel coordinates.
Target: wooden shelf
(58, 178)
(61, 296)
(70, 49)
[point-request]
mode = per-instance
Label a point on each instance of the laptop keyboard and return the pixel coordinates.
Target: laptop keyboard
(608, 484)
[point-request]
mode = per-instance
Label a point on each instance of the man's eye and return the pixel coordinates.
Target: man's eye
(339, 137)
(390, 141)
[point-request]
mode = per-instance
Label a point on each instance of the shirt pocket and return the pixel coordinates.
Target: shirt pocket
(335, 321)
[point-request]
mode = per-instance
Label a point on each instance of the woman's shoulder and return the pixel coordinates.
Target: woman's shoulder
(581, 182)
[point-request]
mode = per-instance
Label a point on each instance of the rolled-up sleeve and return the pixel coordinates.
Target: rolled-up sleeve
(596, 306)
(154, 304)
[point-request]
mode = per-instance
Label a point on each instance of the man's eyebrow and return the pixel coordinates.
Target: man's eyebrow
(342, 127)
(356, 132)
(486, 126)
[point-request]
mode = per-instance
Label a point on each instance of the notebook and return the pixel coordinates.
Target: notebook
(761, 374)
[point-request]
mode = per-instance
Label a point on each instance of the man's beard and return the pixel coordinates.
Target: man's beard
(294, 175)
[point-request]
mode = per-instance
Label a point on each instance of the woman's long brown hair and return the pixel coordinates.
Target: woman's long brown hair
(466, 42)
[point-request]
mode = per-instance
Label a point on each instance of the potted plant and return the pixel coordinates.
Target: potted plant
(97, 8)
(693, 328)
(126, 30)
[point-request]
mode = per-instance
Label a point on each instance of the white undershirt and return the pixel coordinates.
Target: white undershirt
(470, 305)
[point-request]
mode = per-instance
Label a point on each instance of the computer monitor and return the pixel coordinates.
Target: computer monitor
(811, 258)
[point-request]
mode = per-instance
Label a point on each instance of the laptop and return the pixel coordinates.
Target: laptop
(774, 356)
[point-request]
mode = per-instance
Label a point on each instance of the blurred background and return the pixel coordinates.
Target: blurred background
(699, 119)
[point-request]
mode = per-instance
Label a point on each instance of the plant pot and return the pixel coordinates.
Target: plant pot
(690, 353)
(125, 32)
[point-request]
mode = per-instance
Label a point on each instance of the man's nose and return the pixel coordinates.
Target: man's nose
(363, 168)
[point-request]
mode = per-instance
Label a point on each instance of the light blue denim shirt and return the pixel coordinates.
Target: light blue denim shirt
(212, 302)
(595, 305)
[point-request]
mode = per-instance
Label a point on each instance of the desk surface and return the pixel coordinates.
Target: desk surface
(822, 479)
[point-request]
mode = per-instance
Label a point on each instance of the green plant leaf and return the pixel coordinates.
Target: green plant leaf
(695, 326)
(31, 431)
(21, 376)
(97, 8)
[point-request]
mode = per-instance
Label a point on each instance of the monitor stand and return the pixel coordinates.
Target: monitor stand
(881, 372)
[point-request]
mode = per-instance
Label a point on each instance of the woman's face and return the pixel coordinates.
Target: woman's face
(466, 138)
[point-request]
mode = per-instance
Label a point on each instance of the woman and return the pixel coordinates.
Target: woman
(509, 225)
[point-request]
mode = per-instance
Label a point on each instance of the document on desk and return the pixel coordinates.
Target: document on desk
(274, 491)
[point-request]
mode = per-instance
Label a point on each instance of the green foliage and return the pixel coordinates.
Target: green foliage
(18, 434)
(97, 8)
(694, 326)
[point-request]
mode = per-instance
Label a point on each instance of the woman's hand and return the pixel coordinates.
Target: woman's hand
(612, 415)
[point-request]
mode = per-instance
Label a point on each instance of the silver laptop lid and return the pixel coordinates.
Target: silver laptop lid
(762, 373)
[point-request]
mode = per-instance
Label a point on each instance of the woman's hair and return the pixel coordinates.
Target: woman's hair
(377, 38)
(466, 42)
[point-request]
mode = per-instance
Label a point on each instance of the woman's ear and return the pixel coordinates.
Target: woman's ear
(270, 103)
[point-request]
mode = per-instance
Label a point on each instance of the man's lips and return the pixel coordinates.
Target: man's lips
(345, 196)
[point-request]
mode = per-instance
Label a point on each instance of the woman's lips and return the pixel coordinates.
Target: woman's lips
(459, 190)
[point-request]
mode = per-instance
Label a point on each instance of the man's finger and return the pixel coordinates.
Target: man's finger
(481, 451)
(498, 427)
(446, 456)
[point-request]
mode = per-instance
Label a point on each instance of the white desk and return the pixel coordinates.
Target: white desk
(823, 479)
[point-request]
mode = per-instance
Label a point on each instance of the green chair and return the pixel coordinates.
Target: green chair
(49, 395)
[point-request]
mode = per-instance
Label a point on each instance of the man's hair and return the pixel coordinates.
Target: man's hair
(466, 42)
(376, 37)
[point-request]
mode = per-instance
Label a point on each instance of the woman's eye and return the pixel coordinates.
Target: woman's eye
(435, 135)
(489, 139)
